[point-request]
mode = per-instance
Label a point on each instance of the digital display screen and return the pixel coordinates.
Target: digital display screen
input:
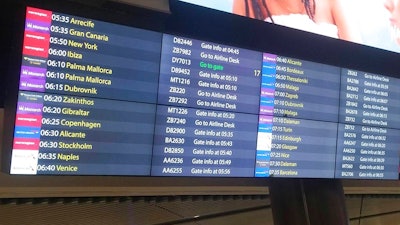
(103, 99)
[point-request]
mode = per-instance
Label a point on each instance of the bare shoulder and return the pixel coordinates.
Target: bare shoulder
(324, 10)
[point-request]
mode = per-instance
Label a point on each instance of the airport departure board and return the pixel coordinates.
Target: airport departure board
(97, 98)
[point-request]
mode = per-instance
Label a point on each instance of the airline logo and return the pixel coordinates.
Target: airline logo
(24, 161)
(29, 71)
(33, 61)
(36, 44)
(28, 120)
(37, 26)
(27, 132)
(38, 14)
(29, 84)
(29, 108)
(30, 97)
(37, 32)
(26, 144)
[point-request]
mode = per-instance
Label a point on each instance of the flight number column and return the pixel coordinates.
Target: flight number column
(207, 121)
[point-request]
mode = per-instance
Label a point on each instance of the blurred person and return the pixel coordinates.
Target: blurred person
(393, 6)
(325, 17)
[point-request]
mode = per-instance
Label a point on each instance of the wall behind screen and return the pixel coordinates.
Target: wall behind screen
(201, 24)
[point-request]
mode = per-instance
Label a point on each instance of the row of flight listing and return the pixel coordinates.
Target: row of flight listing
(186, 107)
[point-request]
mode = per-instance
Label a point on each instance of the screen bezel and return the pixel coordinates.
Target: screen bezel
(177, 23)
